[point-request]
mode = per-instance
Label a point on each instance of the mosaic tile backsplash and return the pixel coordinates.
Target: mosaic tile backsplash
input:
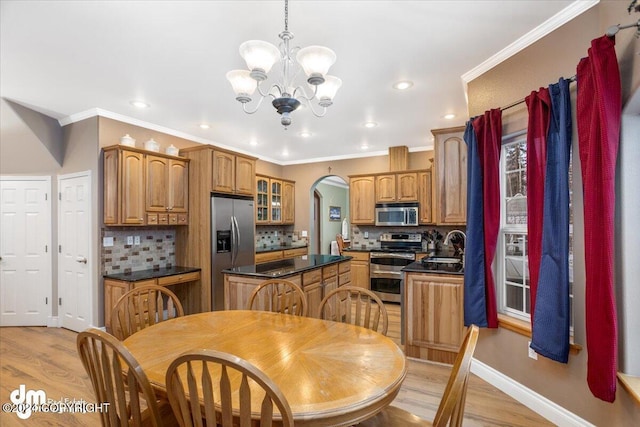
(274, 236)
(156, 250)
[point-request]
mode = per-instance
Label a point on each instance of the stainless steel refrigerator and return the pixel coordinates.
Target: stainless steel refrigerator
(233, 229)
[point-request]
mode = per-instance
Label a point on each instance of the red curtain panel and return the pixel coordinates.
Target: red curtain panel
(488, 128)
(539, 106)
(599, 112)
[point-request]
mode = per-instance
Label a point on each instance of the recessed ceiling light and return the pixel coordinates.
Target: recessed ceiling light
(139, 104)
(305, 134)
(253, 142)
(204, 126)
(370, 124)
(402, 85)
(285, 153)
(449, 116)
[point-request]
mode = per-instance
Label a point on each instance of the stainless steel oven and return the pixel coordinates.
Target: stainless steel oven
(397, 250)
(385, 273)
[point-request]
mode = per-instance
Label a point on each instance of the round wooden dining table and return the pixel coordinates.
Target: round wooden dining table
(332, 374)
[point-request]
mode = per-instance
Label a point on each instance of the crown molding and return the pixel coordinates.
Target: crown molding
(559, 19)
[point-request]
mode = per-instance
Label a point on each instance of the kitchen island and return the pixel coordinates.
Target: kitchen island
(315, 274)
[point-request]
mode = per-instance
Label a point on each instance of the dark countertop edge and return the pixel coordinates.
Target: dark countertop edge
(289, 274)
(278, 248)
(136, 276)
(416, 267)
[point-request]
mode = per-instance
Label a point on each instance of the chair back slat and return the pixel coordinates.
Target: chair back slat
(455, 392)
(278, 296)
(142, 307)
(356, 306)
(235, 380)
(117, 379)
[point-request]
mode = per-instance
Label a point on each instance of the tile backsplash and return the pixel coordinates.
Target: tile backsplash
(274, 236)
(156, 250)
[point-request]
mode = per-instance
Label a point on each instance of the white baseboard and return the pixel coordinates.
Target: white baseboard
(53, 322)
(529, 398)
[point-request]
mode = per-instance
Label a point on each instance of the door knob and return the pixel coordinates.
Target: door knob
(82, 260)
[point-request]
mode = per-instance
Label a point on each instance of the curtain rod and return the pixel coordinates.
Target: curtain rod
(520, 101)
(613, 30)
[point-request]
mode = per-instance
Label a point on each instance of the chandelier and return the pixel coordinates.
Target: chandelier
(287, 94)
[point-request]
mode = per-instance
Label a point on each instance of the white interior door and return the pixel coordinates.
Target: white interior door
(25, 257)
(74, 253)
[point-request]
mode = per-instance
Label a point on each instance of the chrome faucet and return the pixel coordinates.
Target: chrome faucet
(464, 241)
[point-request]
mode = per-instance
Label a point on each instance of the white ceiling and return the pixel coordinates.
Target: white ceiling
(69, 59)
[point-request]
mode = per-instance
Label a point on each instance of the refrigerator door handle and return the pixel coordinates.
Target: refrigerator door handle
(237, 248)
(235, 238)
(233, 242)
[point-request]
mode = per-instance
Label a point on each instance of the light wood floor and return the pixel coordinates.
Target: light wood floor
(46, 359)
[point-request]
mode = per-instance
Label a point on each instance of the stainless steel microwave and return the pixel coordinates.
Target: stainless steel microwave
(397, 214)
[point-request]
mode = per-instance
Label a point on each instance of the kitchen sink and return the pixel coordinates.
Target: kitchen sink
(443, 264)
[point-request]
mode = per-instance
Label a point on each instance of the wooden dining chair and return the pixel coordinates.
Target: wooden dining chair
(357, 306)
(224, 390)
(114, 374)
(278, 296)
(142, 307)
(451, 409)
(340, 242)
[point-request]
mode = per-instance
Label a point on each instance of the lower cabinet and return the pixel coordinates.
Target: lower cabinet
(315, 284)
(434, 316)
(263, 257)
(359, 269)
(185, 288)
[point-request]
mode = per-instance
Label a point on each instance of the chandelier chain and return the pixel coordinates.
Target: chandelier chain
(286, 15)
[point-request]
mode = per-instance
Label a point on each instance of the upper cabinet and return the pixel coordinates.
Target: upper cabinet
(275, 203)
(167, 193)
(424, 197)
(288, 202)
(362, 199)
(450, 176)
(142, 187)
(233, 173)
(397, 187)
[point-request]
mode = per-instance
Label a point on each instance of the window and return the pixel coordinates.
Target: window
(512, 264)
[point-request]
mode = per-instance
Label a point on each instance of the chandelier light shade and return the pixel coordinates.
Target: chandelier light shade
(282, 85)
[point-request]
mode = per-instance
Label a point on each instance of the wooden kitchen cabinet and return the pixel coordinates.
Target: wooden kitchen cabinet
(397, 187)
(425, 185)
(275, 200)
(362, 199)
(233, 173)
(359, 273)
(167, 190)
(385, 188)
(407, 187)
(187, 292)
(450, 176)
(288, 202)
(434, 306)
(131, 185)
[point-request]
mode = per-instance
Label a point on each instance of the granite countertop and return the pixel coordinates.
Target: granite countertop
(136, 276)
(286, 267)
(417, 267)
(273, 248)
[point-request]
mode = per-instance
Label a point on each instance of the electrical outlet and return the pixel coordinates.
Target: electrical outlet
(303, 233)
(136, 240)
(532, 352)
(366, 234)
(107, 241)
(129, 240)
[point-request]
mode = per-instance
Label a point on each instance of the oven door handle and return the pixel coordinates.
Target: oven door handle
(396, 273)
(409, 256)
